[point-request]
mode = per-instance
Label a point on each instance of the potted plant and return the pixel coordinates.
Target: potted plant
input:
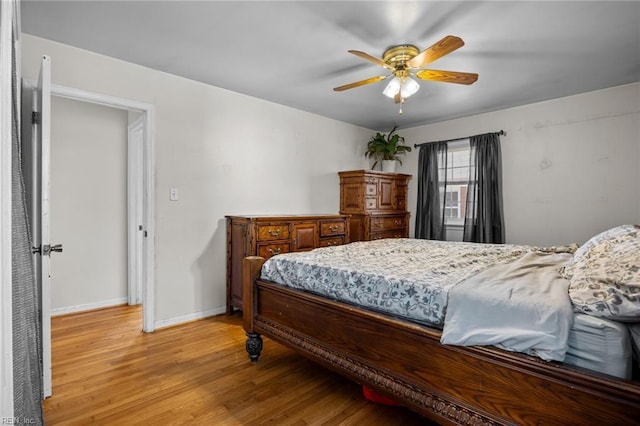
(387, 148)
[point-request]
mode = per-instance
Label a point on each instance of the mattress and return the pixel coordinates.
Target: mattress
(600, 345)
(407, 278)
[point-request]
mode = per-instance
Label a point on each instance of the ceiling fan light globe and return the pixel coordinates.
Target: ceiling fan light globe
(392, 88)
(409, 87)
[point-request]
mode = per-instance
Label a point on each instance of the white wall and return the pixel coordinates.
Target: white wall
(88, 205)
(226, 153)
(570, 165)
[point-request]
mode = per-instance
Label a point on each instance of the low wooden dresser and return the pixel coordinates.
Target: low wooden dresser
(267, 236)
(376, 202)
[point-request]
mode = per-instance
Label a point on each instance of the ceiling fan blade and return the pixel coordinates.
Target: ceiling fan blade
(436, 51)
(360, 83)
(373, 59)
(448, 76)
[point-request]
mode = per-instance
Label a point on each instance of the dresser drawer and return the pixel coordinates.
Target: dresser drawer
(391, 233)
(330, 228)
(273, 232)
(388, 222)
(370, 203)
(371, 189)
(329, 242)
(268, 250)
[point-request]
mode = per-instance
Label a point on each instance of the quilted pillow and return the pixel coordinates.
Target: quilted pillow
(604, 275)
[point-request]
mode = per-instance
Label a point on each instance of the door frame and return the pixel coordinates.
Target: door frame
(146, 180)
(135, 210)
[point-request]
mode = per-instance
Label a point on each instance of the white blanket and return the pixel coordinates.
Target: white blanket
(522, 306)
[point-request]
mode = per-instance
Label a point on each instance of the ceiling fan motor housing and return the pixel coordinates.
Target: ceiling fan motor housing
(398, 56)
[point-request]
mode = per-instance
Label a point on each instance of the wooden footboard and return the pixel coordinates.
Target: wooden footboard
(449, 384)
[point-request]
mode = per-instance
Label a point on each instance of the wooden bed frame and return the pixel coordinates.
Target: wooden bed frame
(405, 361)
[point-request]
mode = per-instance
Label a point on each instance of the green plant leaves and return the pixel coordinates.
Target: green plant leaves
(386, 147)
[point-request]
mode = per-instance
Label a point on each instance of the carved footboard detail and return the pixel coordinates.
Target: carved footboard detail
(363, 373)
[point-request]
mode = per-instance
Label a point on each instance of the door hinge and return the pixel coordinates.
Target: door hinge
(35, 117)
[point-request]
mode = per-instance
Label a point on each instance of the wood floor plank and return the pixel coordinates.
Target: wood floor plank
(106, 371)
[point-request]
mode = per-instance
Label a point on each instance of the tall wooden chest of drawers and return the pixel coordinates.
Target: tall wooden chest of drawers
(267, 236)
(376, 202)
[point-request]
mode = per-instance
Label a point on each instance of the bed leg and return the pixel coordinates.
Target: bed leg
(254, 346)
(250, 272)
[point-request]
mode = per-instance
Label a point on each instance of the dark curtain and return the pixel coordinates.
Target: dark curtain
(27, 376)
(432, 161)
(484, 221)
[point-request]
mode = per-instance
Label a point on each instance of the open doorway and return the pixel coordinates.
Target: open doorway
(88, 207)
(141, 177)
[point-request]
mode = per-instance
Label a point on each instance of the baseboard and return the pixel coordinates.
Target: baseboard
(88, 307)
(158, 324)
(190, 317)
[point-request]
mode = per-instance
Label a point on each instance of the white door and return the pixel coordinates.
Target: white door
(37, 172)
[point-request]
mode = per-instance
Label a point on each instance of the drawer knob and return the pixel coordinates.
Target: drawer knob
(397, 222)
(333, 228)
(274, 252)
(275, 233)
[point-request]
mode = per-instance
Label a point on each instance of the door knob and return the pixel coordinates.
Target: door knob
(47, 249)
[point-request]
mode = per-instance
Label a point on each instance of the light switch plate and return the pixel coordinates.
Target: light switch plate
(173, 194)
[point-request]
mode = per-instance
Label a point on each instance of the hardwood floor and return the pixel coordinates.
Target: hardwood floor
(106, 371)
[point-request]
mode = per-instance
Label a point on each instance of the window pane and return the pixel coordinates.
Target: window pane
(457, 177)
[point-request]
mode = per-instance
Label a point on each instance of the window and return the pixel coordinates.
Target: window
(458, 175)
(454, 178)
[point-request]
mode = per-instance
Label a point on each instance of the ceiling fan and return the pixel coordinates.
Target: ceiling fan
(405, 61)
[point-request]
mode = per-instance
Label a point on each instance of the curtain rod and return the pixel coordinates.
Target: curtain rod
(501, 132)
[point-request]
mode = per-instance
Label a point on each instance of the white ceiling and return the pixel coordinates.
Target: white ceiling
(294, 52)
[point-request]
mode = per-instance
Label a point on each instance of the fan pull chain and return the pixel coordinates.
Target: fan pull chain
(401, 103)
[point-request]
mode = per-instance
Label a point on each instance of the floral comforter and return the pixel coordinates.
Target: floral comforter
(409, 278)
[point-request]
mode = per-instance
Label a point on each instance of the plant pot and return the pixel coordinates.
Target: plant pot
(389, 166)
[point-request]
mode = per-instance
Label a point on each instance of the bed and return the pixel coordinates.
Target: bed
(468, 383)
